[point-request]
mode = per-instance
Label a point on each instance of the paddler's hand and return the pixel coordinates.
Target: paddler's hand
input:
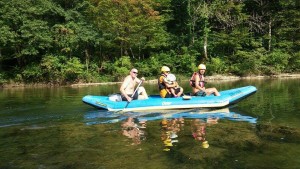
(129, 99)
(142, 79)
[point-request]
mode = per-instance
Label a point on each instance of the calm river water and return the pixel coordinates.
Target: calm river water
(52, 128)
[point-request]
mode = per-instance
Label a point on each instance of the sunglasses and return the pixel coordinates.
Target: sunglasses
(167, 72)
(135, 73)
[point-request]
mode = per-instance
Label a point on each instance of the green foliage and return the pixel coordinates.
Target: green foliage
(2, 79)
(122, 67)
(185, 62)
(90, 76)
(32, 73)
(7, 35)
(149, 67)
(131, 26)
(246, 63)
(277, 59)
(59, 69)
(145, 69)
(216, 65)
(107, 67)
(72, 69)
(52, 68)
(287, 28)
(294, 62)
(88, 40)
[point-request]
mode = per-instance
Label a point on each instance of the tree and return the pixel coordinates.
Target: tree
(24, 23)
(130, 25)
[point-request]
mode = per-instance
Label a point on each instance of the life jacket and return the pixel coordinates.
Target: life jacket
(201, 82)
(161, 84)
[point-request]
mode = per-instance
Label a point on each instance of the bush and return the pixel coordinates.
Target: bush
(184, 62)
(277, 59)
(121, 67)
(52, 68)
(2, 79)
(152, 65)
(294, 63)
(32, 73)
(216, 65)
(246, 63)
(60, 69)
(72, 70)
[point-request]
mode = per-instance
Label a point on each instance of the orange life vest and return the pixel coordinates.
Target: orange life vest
(201, 82)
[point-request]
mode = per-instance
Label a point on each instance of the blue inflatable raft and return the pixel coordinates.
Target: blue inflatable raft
(155, 102)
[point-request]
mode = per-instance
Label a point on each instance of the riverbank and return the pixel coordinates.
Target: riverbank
(209, 78)
(215, 77)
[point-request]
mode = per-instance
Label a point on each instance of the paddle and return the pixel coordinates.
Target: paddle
(131, 96)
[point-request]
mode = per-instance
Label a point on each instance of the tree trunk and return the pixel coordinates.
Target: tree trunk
(206, 32)
(193, 33)
(121, 48)
(87, 59)
(270, 35)
(205, 47)
(131, 52)
(0, 59)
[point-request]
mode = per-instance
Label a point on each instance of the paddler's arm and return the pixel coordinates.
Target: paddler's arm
(139, 80)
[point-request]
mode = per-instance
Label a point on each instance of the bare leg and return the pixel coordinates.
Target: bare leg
(142, 93)
(173, 92)
(180, 92)
(212, 91)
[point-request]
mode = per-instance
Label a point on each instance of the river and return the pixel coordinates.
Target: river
(50, 127)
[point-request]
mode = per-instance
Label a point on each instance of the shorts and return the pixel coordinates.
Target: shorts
(200, 93)
(169, 95)
(135, 97)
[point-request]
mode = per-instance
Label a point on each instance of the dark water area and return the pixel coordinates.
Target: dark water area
(53, 128)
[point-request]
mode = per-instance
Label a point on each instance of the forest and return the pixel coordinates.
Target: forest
(80, 41)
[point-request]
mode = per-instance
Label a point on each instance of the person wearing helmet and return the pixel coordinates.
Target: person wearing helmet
(165, 86)
(128, 86)
(198, 84)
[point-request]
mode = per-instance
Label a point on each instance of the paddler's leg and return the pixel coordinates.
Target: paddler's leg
(212, 91)
(142, 93)
(179, 91)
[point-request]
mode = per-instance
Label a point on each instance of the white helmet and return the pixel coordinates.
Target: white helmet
(170, 78)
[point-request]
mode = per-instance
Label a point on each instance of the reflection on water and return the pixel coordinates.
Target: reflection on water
(169, 131)
(172, 122)
(134, 130)
(199, 131)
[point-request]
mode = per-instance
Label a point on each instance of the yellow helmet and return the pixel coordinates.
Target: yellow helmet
(165, 69)
(166, 149)
(169, 144)
(202, 66)
(164, 122)
(205, 144)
